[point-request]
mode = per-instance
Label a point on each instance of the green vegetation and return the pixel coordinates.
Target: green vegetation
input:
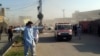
(15, 51)
(18, 39)
(17, 48)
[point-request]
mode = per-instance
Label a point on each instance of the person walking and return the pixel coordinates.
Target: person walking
(10, 33)
(36, 34)
(30, 39)
(1, 30)
(79, 31)
(99, 31)
(75, 29)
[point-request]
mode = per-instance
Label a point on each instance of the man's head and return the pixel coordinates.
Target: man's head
(10, 27)
(29, 23)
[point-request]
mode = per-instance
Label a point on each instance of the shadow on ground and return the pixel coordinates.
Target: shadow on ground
(88, 48)
(88, 43)
(47, 39)
(50, 39)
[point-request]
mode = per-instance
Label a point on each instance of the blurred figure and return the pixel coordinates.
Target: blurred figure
(75, 30)
(10, 33)
(36, 34)
(1, 30)
(99, 31)
(79, 31)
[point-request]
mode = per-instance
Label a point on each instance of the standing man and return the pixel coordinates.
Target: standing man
(36, 34)
(75, 29)
(29, 39)
(99, 31)
(10, 33)
(1, 30)
(79, 31)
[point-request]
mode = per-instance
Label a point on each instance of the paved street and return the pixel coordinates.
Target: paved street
(88, 46)
(4, 44)
(4, 40)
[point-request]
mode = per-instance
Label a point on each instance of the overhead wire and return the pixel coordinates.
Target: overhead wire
(23, 7)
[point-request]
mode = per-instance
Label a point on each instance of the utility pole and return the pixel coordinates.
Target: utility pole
(40, 15)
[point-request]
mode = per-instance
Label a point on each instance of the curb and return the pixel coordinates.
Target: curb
(6, 48)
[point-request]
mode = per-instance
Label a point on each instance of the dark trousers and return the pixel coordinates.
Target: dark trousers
(0, 36)
(75, 33)
(10, 38)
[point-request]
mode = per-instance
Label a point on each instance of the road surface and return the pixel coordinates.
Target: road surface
(4, 44)
(89, 45)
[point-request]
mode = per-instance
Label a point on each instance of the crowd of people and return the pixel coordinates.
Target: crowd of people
(77, 30)
(30, 37)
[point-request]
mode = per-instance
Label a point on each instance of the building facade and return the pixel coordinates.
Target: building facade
(86, 16)
(24, 19)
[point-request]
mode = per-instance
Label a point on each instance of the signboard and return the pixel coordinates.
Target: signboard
(2, 12)
(1, 18)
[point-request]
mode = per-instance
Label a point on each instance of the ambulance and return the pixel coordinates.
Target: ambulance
(63, 31)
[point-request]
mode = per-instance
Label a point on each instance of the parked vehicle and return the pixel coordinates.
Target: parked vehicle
(63, 31)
